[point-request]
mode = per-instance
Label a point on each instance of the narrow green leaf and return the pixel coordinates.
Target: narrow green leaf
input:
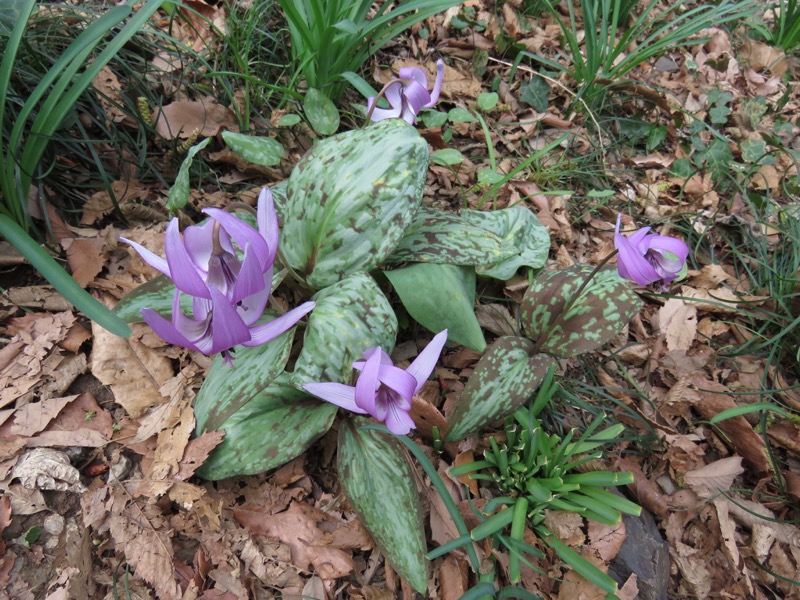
(257, 150)
(350, 199)
(350, 317)
(582, 566)
(179, 192)
(504, 378)
(278, 424)
(591, 318)
(746, 409)
(321, 112)
(441, 297)
(493, 525)
(519, 228)
(380, 482)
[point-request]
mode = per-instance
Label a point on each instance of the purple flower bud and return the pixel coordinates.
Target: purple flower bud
(647, 258)
(229, 293)
(383, 390)
(408, 94)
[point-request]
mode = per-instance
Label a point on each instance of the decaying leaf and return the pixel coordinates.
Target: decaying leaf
(715, 477)
(47, 469)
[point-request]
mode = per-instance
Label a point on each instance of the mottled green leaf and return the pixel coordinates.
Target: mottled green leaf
(350, 317)
(178, 194)
(381, 484)
(350, 199)
(440, 237)
(257, 150)
(441, 297)
(278, 424)
(504, 379)
(227, 389)
(591, 318)
(321, 112)
(519, 228)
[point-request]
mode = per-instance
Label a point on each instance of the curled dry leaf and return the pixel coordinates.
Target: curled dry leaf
(47, 469)
(715, 477)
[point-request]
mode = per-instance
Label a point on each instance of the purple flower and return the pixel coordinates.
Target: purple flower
(383, 390)
(408, 94)
(229, 293)
(646, 258)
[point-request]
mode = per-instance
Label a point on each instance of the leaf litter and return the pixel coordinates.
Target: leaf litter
(105, 425)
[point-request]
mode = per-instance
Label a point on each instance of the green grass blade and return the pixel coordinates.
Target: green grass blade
(60, 279)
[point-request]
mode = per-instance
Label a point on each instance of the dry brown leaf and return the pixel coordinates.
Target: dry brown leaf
(134, 372)
(82, 422)
(678, 323)
(496, 318)
(606, 540)
(143, 536)
(47, 469)
(715, 477)
(452, 578)
(107, 83)
(197, 450)
(298, 528)
(37, 296)
(720, 300)
(181, 118)
(759, 56)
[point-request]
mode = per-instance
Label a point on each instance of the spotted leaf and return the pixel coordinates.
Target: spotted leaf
(350, 199)
(350, 317)
(438, 237)
(504, 378)
(591, 316)
(277, 424)
(381, 485)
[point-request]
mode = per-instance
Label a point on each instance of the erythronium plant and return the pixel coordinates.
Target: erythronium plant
(229, 293)
(407, 94)
(383, 390)
(351, 208)
(647, 258)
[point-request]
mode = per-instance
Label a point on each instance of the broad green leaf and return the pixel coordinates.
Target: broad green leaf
(257, 150)
(278, 424)
(447, 157)
(534, 93)
(461, 115)
(381, 484)
(179, 192)
(227, 389)
(519, 228)
(504, 378)
(433, 118)
(591, 318)
(441, 297)
(488, 100)
(350, 317)
(321, 112)
(289, 120)
(156, 294)
(350, 199)
(440, 237)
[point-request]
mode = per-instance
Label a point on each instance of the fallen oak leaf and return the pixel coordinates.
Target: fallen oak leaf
(715, 477)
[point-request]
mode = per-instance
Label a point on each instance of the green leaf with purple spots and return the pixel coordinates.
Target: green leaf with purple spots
(277, 424)
(350, 199)
(350, 317)
(381, 484)
(439, 237)
(591, 316)
(504, 379)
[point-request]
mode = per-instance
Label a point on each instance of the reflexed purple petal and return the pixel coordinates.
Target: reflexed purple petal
(417, 97)
(182, 269)
(423, 365)
(638, 239)
(398, 421)
(398, 380)
(154, 260)
(227, 328)
(335, 393)
(414, 75)
(437, 86)
(261, 334)
(242, 233)
(249, 279)
(252, 307)
(198, 240)
(630, 262)
(166, 330)
(367, 384)
(385, 358)
(665, 243)
(268, 222)
(395, 100)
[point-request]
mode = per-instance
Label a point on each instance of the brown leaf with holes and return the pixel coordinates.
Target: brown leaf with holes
(134, 372)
